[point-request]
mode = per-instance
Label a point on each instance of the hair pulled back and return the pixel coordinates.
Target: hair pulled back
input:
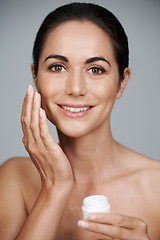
(98, 15)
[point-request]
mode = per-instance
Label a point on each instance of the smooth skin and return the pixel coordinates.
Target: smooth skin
(41, 196)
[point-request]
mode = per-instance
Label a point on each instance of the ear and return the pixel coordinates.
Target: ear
(32, 70)
(127, 74)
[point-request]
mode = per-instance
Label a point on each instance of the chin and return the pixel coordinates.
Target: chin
(73, 132)
(74, 128)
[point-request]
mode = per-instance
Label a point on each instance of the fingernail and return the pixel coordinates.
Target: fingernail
(29, 89)
(91, 217)
(41, 112)
(35, 97)
(83, 224)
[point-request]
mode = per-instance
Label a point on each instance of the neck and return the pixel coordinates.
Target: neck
(90, 155)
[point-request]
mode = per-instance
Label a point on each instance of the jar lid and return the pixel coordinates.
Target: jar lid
(95, 200)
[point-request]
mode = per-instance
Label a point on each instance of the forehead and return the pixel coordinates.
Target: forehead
(78, 37)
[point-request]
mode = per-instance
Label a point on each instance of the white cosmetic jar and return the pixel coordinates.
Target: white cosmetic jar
(95, 203)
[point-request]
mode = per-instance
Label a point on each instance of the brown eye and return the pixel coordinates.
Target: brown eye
(96, 70)
(57, 68)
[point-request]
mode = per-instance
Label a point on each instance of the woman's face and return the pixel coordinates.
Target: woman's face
(78, 78)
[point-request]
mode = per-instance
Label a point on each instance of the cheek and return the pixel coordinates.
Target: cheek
(105, 90)
(48, 87)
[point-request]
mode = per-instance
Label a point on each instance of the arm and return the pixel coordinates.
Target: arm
(44, 219)
(12, 209)
(56, 176)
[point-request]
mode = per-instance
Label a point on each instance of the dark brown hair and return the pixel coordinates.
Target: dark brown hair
(100, 16)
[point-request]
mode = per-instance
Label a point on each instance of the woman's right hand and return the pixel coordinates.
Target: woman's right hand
(48, 157)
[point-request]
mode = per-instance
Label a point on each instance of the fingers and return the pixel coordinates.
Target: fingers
(111, 231)
(30, 126)
(48, 141)
(115, 226)
(30, 119)
(62, 167)
(34, 123)
(35, 126)
(115, 219)
(45, 153)
(26, 114)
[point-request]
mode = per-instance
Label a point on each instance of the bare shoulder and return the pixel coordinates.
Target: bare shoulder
(147, 182)
(16, 174)
(17, 168)
(21, 174)
(148, 169)
(15, 163)
(149, 166)
(137, 160)
(151, 175)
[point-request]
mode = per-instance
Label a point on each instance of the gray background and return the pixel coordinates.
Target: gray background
(135, 117)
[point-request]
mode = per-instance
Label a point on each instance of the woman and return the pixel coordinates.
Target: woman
(80, 66)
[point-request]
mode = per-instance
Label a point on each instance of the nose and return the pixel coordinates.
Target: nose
(76, 84)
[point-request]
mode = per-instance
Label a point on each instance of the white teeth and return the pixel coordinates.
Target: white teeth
(72, 109)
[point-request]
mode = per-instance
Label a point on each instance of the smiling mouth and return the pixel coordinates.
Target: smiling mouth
(75, 109)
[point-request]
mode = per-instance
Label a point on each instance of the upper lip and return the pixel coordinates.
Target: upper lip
(75, 105)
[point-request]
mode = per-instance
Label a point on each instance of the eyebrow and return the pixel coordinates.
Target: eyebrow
(94, 59)
(57, 57)
(90, 60)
